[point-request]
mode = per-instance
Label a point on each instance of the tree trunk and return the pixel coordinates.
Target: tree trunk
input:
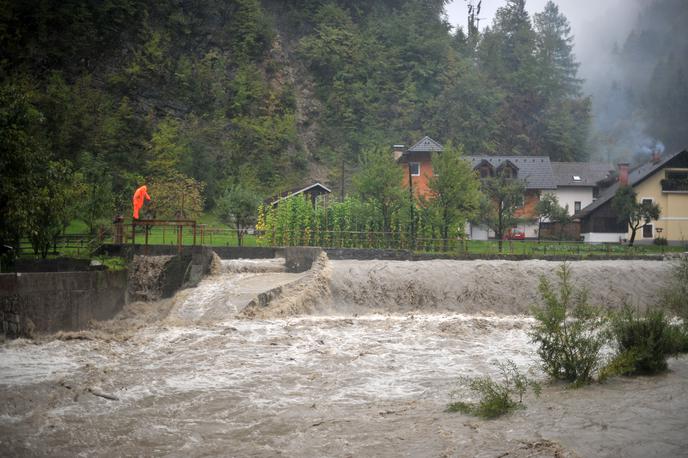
(539, 229)
(239, 237)
(633, 229)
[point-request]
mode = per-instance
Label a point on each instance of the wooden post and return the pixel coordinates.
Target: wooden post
(133, 232)
(194, 233)
(145, 248)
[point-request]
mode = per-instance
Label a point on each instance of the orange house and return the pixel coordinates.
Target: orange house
(535, 172)
(417, 161)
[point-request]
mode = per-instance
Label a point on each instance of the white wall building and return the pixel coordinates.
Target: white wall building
(577, 182)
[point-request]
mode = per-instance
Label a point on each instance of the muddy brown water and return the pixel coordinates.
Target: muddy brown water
(184, 377)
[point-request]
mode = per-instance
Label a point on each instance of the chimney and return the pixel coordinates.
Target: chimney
(623, 173)
(397, 151)
(656, 156)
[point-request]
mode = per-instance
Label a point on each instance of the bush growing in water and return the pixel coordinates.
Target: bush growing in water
(675, 295)
(494, 398)
(569, 332)
(644, 342)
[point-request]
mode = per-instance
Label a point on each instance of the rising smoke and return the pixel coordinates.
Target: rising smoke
(601, 29)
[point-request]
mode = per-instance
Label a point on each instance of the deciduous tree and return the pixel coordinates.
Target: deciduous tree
(238, 206)
(501, 197)
(629, 210)
(378, 182)
(454, 196)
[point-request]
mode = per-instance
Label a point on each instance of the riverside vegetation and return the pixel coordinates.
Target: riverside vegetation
(571, 335)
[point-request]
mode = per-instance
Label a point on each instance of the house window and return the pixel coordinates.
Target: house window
(485, 172)
(576, 178)
(647, 201)
(576, 207)
(647, 231)
(414, 167)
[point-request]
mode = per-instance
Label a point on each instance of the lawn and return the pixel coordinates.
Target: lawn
(211, 232)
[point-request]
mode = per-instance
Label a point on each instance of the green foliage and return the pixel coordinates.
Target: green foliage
(454, 195)
(548, 208)
(495, 398)
(644, 341)
(378, 183)
(22, 160)
(238, 206)
(250, 92)
(94, 192)
(629, 210)
(51, 206)
(674, 294)
(569, 332)
(114, 263)
(174, 197)
(501, 197)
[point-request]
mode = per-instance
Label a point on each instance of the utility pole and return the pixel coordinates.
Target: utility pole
(411, 206)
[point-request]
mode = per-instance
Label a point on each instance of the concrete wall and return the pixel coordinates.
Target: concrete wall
(569, 195)
(53, 301)
(151, 279)
(300, 259)
(55, 265)
(603, 237)
(247, 252)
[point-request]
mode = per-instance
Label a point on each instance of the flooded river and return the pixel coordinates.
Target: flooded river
(188, 377)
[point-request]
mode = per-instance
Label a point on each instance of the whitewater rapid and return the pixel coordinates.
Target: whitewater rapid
(366, 372)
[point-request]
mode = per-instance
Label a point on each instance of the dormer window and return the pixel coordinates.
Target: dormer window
(507, 169)
(577, 178)
(485, 169)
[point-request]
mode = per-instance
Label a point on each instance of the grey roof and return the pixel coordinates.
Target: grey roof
(635, 176)
(426, 144)
(536, 171)
(589, 172)
(272, 200)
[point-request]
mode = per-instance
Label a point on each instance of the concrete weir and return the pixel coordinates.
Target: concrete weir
(68, 295)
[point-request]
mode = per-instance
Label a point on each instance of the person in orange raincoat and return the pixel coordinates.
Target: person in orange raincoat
(139, 195)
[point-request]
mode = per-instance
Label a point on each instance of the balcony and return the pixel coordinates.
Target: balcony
(675, 185)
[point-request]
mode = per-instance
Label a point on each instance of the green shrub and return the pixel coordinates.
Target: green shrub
(675, 294)
(644, 341)
(569, 332)
(114, 263)
(494, 398)
(660, 241)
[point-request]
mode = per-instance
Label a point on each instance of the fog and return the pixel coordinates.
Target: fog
(598, 27)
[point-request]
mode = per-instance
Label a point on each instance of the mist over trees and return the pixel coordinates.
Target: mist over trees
(644, 104)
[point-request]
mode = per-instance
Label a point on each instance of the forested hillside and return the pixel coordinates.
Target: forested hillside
(109, 94)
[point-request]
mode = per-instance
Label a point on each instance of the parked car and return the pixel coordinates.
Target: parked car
(515, 234)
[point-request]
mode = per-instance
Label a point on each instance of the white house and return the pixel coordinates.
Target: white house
(578, 183)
